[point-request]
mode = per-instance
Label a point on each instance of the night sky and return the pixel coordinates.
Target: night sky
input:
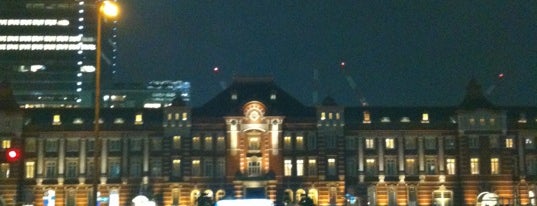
(399, 53)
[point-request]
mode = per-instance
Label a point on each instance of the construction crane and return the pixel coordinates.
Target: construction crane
(496, 83)
(352, 84)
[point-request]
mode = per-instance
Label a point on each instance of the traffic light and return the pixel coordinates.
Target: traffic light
(13, 154)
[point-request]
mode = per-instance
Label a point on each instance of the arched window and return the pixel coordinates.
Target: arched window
(314, 195)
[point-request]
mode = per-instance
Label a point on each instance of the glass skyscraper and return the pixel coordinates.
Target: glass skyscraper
(47, 51)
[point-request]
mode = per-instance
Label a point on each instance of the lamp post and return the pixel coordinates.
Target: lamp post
(105, 8)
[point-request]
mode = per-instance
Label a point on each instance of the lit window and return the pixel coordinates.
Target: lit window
(472, 121)
(272, 96)
(385, 119)
(494, 166)
(323, 116)
(119, 121)
(169, 116)
(492, 121)
(367, 117)
(6, 144)
(474, 166)
(331, 166)
(338, 116)
(390, 143)
(78, 121)
(253, 143)
(522, 118)
(312, 167)
(196, 143)
(299, 142)
(330, 115)
(176, 116)
(288, 164)
(450, 166)
(299, 167)
(482, 121)
(371, 167)
(410, 166)
(425, 117)
(208, 143)
(4, 170)
(176, 167)
(30, 169)
(234, 96)
(138, 119)
(370, 143)
(56, 120)
(509, 143)
(405, 119)
(185, 116)
(196, 168)
(287, 142)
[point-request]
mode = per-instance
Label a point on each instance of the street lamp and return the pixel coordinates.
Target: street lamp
(105, 8)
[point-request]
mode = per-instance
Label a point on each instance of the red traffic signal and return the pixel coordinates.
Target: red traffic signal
(13, 154)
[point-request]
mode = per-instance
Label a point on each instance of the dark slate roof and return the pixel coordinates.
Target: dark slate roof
(474, 98)
(7, 100)
(250, 89)
(41, 119)
(401, 117)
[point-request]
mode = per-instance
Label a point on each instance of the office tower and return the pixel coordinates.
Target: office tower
(47, 51)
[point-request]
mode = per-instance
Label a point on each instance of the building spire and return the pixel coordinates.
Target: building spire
(475, 98)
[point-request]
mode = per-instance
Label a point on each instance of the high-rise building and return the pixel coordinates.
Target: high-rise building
(153, 94)
(47, 51)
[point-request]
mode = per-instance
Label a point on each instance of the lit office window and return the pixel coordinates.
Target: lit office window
(323, 115)
(450, 166)
(474, 166)
(185, 116)
(494, 166)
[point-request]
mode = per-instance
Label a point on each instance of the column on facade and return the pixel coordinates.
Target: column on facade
(361, 158)
(82, 161)
(421, 155)
(441, 155)
(146, 160)
(124, 157)
(275, 136)
(521, 156)
(401, 154)
(40, 159)
(104, 156)
(61, 160)
(381, 154)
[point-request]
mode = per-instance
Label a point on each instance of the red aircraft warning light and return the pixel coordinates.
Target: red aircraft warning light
(13, 154)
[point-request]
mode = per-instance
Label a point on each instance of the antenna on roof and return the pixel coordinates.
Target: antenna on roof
(352, 84)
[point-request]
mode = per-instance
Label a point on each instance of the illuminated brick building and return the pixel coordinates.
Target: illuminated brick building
(255, 140)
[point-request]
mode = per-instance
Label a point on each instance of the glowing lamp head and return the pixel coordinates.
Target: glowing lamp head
(109, 9)
(13, 154)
